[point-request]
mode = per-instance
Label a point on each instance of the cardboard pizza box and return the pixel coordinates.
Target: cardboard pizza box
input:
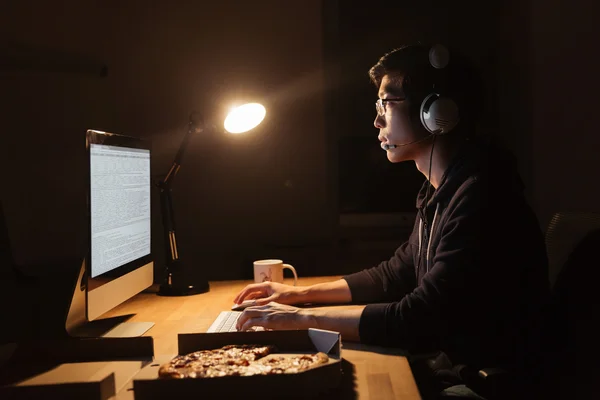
(147, 384)
(99, 380)
(94, 368)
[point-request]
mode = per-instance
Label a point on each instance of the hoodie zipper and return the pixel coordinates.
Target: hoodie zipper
(426, 235)
(437, 207)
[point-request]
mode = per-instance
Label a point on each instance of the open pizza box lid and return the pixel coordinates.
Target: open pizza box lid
(148, 385)
(94, 368)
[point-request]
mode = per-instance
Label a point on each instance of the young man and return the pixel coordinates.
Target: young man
(472, 278)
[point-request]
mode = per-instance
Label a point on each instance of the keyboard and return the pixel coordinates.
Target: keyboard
(226, 321)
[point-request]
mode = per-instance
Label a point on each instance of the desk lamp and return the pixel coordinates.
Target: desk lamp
(240, 119)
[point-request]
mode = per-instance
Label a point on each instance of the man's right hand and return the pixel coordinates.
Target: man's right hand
(266, 292)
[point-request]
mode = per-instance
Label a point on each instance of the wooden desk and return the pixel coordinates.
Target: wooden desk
(379, 373)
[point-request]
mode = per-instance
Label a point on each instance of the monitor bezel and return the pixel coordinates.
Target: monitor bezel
(117, 140)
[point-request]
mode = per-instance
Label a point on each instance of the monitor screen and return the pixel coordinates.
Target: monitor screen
(119, 206)
(118, 264)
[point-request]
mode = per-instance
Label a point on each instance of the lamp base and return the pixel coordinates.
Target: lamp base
(182, 290)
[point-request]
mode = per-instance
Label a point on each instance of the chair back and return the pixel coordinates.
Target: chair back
(572, 328)
(564, 232)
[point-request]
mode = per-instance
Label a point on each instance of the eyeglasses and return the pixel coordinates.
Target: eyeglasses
(381, 104)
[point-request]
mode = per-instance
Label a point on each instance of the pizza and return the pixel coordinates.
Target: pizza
(291, 364)
(238, 360)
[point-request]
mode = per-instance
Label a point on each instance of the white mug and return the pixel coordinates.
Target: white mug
(271, 270)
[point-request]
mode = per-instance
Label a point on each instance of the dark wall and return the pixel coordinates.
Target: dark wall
(565, 84)
(236, 197)
(273, 192)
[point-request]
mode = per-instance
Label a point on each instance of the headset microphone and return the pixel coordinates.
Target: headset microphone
(394, 146)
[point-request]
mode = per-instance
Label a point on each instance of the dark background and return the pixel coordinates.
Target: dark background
(310, 185)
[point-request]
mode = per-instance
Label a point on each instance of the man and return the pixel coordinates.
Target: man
(472, 278)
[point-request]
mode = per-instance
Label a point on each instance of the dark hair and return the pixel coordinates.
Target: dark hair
(410, 67)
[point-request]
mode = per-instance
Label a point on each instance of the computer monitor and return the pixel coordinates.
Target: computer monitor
(119, 261)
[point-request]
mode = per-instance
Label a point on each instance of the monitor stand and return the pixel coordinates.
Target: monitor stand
(77, 325)
(113, 327)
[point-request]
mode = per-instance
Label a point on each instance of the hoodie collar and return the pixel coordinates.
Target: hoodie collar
(474, 155)
(450, 180)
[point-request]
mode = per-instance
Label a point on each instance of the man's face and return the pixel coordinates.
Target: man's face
(395, 125)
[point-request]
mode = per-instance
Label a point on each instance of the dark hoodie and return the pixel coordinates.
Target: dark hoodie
(473, 276)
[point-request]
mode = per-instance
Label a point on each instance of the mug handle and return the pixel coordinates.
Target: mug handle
(288, 266)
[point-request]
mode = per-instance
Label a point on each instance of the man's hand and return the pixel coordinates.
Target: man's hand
(275, 316)
(334, 292)
(342, 319)
(267, 292)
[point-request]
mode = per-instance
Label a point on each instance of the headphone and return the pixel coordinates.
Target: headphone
(438, 112)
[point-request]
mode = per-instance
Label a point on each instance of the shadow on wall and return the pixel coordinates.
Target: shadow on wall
(25, 57)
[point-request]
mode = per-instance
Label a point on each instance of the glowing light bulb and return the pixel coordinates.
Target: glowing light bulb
(245, 117)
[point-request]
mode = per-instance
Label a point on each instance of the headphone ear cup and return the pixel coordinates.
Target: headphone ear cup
(439, 115)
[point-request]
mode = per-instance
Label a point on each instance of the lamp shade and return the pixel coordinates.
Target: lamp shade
(245, 117)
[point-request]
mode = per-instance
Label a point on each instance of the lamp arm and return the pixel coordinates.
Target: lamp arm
(168, 181)
(168, 219)
(195, 125)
